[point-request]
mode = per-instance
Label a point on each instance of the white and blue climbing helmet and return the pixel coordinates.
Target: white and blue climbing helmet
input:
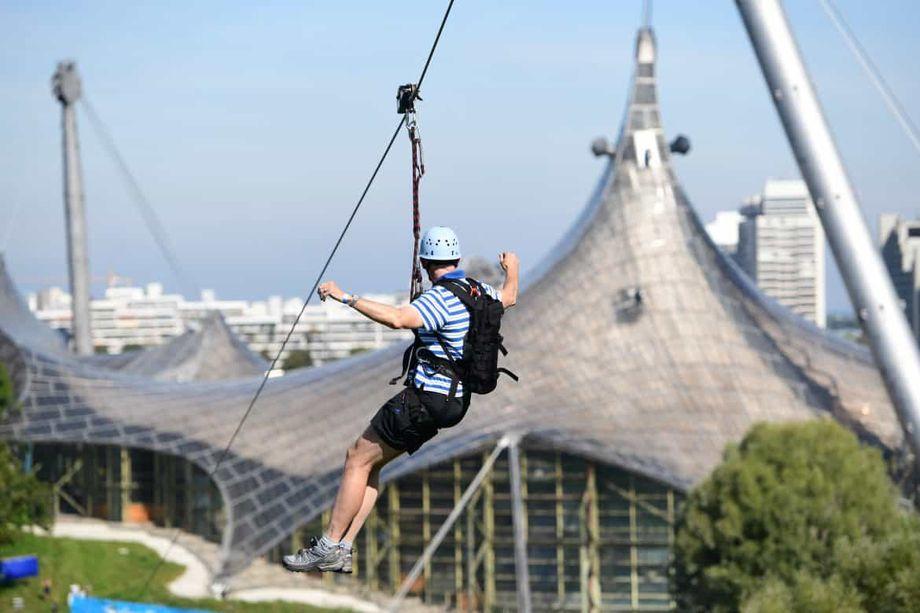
(440, 244)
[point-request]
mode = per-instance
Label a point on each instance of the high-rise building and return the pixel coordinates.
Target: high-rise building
(723, 230)
(781, 247)
(900, 243)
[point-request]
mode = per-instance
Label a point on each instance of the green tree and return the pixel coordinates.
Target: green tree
(6, 392)
(24, 500)
(798, 517)
(805, 593)
(297, 358)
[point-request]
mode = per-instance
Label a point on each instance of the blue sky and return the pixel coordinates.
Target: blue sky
(253, 126)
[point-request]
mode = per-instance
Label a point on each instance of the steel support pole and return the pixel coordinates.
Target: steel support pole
(111, 496)
(560, 533)
(592, 553)
(426, 525)
(395, 538)
(371, 535)
(458, 534)
(127, 482)
(488, 543)
(67, 89)
(447, 525)
(860, 263)
(470, 557)
(519, 520)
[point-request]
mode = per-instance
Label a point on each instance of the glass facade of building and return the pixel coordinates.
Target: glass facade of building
(135, 485)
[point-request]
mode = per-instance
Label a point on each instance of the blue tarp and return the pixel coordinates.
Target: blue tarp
(86, 604)
(19, 567)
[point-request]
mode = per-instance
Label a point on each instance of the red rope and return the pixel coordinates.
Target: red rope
(418, 169)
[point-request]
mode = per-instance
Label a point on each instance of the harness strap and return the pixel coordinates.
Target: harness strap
(459, 290)
(446, 367)
(410, 358)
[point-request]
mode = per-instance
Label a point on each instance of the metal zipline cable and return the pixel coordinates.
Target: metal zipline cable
(875, 76)
(148, 213)
(312, 291)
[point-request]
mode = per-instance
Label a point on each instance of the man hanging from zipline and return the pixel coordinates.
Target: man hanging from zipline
(455, 353)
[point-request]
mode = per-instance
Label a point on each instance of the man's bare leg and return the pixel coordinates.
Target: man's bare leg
(371, 492)
(363, 460)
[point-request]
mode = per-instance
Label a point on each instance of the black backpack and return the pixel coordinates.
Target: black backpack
(478, 367)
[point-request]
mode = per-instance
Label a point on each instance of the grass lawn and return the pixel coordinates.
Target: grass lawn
(109, 570)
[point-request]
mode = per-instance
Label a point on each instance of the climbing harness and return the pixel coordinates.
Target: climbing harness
(406, 96)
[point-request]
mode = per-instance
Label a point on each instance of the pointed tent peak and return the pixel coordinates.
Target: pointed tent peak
(214, 333)
(210, 353)
(213, 323)
(646, 47)
(229, 355)
(641, 142)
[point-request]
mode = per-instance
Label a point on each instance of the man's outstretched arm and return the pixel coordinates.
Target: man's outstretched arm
(398, 318)
(511, 265)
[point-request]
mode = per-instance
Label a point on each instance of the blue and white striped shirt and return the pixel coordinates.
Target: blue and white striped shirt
(444, 314)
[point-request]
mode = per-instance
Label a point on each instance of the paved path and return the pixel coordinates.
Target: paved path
(260, 582)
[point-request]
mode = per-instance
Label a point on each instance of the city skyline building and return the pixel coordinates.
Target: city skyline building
(724, 230)
(128, 318)
(781, 246)
(899, 240)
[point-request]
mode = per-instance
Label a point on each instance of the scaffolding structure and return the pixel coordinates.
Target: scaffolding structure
(598, 537)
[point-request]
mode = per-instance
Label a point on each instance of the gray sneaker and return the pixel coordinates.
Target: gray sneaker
(311, 558)
(346, 560)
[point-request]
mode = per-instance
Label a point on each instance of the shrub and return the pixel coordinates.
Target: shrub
(798, 517)
(24, 500)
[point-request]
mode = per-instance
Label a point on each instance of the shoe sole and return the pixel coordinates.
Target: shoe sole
(301, 569)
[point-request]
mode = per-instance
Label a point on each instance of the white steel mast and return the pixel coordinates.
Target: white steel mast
(860, 263)
(66, 86)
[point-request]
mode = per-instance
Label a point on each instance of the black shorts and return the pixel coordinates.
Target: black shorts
(413, 416)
